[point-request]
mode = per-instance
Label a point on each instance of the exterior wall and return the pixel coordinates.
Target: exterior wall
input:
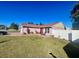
(37, 29)
(43, 30)
(23, 30)
(63, 34)
(71, 35)
(32, 30)
(75, 36)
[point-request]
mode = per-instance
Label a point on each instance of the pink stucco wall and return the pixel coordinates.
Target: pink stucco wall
(32, 30)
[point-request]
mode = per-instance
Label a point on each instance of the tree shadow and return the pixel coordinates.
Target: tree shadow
(72, 50)
(4, 41)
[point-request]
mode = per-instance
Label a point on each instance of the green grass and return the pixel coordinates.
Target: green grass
(31, 46)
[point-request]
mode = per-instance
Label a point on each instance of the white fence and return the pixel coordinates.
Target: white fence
(71, 35)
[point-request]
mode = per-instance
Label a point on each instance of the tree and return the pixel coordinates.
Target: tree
(75, 17)
(30, 23)
(37, 24)
(13, 26)
(2, 27)
(41, 23)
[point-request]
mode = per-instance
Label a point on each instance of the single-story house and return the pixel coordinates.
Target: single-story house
(26, 28)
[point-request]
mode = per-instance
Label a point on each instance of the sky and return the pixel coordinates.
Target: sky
(36, 12)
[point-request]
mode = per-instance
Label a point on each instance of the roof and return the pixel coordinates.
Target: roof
(38, 26)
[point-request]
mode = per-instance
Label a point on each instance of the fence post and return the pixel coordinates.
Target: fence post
(70, 36)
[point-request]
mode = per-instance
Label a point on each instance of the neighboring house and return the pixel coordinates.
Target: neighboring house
(3, 30)
(40, 29)
(2, 27)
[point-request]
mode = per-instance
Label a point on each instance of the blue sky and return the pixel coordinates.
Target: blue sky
(36, 12)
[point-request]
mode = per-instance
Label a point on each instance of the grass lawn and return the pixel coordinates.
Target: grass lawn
(31, 46)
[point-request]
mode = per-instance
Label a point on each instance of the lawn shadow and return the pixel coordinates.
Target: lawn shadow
(4, 41)
(72, 50)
